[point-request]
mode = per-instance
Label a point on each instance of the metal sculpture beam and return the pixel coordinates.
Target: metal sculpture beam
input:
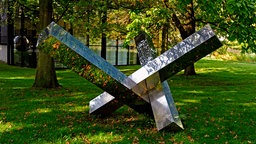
(160, 97)
(140, 90)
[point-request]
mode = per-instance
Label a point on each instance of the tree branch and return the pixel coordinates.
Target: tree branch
(178, 23)
(63, 13)
(28, 8)
(213, 23)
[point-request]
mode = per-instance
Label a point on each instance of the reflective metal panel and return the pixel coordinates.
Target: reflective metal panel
(100, 101)
(143, 88)
(159, 94)
(59, 33)
(188, 51)
(131, 99)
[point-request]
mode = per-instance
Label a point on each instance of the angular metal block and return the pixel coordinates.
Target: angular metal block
(175, 59)
(142, 90)
(180, 56)
(131, 98)
(159, 95)
(124, 94)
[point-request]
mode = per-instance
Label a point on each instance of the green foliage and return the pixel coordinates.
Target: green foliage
(233, 19)
(3, 10)
(216, 106)
(150, 20)
(245, 57)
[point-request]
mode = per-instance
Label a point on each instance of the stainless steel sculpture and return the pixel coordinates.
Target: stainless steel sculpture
(145, 90)
(160, 97)
(158, 94)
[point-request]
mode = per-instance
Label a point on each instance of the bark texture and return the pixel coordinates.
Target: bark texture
(45, 72)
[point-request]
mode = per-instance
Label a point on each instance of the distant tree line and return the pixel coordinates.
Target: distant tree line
(166, 21)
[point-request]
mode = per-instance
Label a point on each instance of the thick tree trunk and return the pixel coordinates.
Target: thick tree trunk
(187, 30)
(45, 72)
(190, 70)
(190, 28)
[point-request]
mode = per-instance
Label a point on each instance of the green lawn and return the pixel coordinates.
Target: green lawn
(216, 106)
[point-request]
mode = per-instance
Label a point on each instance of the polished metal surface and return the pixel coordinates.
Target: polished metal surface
(143, 88)
(63, 36)
(132, 99)
(100, 101)
(187, 51)
(159, 94)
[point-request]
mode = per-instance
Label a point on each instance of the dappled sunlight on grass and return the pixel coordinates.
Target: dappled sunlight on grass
(251, 104)
(80, 108)
(42, 110)
(207, 70)
(74, 107)
(186, 102)
(179, 104)
(216, 106)
(104, 137)
(196, 92)
(190, 101)
(5, 126)
(18, 88)
(15, 78)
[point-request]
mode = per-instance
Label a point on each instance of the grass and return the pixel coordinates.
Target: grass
(216, 106)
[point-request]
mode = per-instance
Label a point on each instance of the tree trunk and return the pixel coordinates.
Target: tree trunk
(10, 33)
(103, 36)
(190, 28)
(186, 30)
(45, 72)
(88, 30)
(164, 38)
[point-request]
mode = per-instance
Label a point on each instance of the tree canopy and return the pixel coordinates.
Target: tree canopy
(233, 19)
(167, 21)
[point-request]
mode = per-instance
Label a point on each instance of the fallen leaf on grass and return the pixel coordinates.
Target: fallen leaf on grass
(217, 137)
(135, 140)
(212, 119)
(2, 108)
(140, 131)
(235, 137)
(206, 136)
(190, 138)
